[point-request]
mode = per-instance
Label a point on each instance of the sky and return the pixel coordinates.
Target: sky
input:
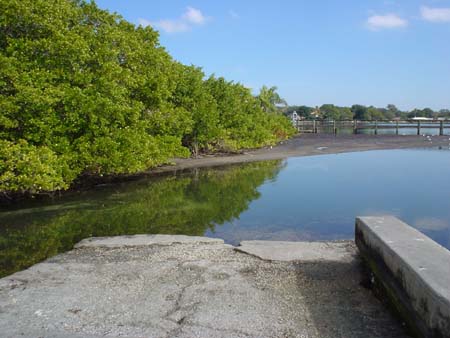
(344, 52)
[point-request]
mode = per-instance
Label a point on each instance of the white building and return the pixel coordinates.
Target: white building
(422, 118)
(294, 118)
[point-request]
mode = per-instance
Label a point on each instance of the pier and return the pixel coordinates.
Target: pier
(436, 127)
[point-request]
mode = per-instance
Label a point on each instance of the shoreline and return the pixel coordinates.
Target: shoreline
(309, 145)
(297, 146)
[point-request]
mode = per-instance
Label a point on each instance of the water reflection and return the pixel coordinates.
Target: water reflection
(190, 203)
(318, 197)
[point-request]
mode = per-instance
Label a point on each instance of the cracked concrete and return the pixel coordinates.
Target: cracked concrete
(175, 286)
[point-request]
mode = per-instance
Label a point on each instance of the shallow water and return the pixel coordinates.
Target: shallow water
(304, 198)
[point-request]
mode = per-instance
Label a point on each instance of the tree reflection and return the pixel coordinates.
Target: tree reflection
(189, 204)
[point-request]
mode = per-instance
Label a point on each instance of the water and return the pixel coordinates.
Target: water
(305, 198)
(317, 198)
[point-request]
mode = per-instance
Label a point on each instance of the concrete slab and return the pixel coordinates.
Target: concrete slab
(298, 251)
(194, 288)
(144, 240)
(412, 270)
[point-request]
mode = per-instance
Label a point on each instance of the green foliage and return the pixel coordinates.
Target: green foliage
(191, 93)
(84, 91)
(332, 112)
(374, 113)
(426, 112)
(242, 119)
(269, 99)
(37, 168)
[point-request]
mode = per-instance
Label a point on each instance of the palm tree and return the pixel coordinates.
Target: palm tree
(270, 99)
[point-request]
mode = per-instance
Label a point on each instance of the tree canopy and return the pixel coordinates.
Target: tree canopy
(332, 112)
(269, 99)
(83, 91)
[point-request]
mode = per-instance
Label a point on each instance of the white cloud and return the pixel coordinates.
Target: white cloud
(435, 14)
(388, 21)
(194, 16)
(190, 18)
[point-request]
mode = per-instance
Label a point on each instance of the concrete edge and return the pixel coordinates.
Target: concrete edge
(285, 251)
(411, 271)
(144, 240)
(337, 251)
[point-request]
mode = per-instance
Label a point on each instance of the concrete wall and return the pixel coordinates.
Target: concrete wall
(411, 270)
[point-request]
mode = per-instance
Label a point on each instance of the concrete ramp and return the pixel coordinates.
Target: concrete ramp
(183, 287)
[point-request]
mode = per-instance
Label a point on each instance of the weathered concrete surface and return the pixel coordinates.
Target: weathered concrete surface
(413, 270)
(144, 240)
(299, 251)
(192, 288)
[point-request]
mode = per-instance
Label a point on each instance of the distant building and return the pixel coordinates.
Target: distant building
(294, 118)
(316, 113)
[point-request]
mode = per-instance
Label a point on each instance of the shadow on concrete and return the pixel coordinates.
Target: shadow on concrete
(339, 304)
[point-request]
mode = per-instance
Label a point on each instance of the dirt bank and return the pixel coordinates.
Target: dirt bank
(311, 144)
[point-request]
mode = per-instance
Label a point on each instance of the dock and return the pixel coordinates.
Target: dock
(438, 127)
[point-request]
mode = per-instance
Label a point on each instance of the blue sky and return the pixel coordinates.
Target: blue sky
(369, 52)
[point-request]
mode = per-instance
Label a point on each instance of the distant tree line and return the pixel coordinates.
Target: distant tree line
(83, 91)
(360, 112)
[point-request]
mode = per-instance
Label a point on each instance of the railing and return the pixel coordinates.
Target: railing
(358, 126)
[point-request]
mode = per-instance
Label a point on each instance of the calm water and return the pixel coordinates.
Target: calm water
(305, 198)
